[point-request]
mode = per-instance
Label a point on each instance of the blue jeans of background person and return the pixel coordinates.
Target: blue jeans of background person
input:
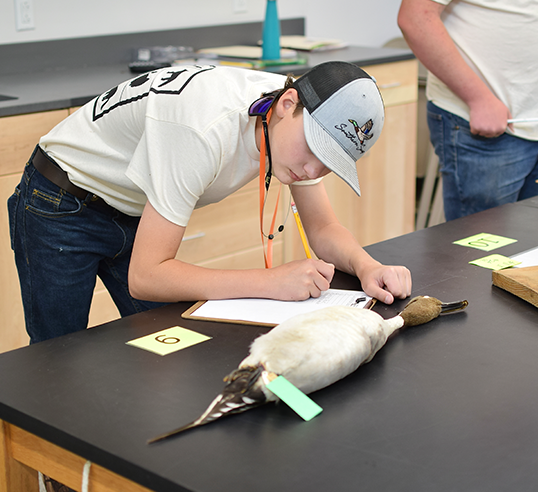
(61, 244)
(480, 173)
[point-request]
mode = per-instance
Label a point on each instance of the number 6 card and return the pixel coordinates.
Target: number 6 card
(170, 340)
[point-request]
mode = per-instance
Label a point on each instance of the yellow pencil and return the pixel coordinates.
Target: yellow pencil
(301, 230)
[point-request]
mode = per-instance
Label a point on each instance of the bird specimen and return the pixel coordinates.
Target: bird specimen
(312, 351)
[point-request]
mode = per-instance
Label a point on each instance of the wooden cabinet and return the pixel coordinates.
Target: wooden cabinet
(227, 234)
(387, 175)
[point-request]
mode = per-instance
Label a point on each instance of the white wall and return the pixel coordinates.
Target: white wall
(360, 22)
(63, 19)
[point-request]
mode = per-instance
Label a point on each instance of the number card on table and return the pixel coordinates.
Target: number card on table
(172, 339)
(495, 262)
(485, 241)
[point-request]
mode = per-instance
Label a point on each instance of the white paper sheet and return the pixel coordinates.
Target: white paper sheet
(275, 312)
(527, 258)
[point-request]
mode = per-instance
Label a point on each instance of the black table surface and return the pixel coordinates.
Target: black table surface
(447, 406)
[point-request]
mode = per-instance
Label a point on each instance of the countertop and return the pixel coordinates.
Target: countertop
(67, 87)
(447, 406)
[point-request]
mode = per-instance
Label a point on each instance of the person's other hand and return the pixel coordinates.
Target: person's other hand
(387, 282)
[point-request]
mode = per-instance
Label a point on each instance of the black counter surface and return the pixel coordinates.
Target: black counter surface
(447, 406)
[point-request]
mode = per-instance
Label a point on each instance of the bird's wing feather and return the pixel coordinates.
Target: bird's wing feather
(240, 393)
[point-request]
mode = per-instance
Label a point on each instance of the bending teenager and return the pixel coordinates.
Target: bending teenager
(133, 164)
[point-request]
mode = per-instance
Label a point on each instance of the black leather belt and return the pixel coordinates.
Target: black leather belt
(54, 173)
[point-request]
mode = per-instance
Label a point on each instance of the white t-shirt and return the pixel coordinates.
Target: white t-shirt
(180, 137)
(499, 41)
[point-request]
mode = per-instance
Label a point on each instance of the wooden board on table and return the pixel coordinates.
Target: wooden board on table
(522, 282)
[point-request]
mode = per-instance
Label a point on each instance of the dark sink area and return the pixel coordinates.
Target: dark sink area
(7, 98)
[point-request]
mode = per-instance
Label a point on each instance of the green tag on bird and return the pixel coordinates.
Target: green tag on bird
(294, 398)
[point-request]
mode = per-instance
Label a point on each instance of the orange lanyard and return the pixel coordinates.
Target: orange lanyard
(264, 189)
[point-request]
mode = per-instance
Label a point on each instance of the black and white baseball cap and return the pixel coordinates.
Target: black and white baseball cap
(343, 116)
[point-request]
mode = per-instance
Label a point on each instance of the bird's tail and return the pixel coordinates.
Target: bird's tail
(240, 393)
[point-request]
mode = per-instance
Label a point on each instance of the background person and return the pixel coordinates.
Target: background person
(483, 71)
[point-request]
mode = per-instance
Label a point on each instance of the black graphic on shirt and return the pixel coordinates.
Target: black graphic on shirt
(165, 81)
(139, 81)
(108, 95)
(168, 80)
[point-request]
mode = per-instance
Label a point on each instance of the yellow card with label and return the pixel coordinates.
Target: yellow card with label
(495, 262)
(485, 241)
(170, 340)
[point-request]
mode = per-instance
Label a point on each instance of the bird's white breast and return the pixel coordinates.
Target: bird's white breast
(316, 349)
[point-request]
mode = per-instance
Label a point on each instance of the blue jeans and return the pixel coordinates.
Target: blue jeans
(61, 245)
(480, 173)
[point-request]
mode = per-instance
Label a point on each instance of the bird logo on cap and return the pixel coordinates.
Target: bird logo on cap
(363, 132)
